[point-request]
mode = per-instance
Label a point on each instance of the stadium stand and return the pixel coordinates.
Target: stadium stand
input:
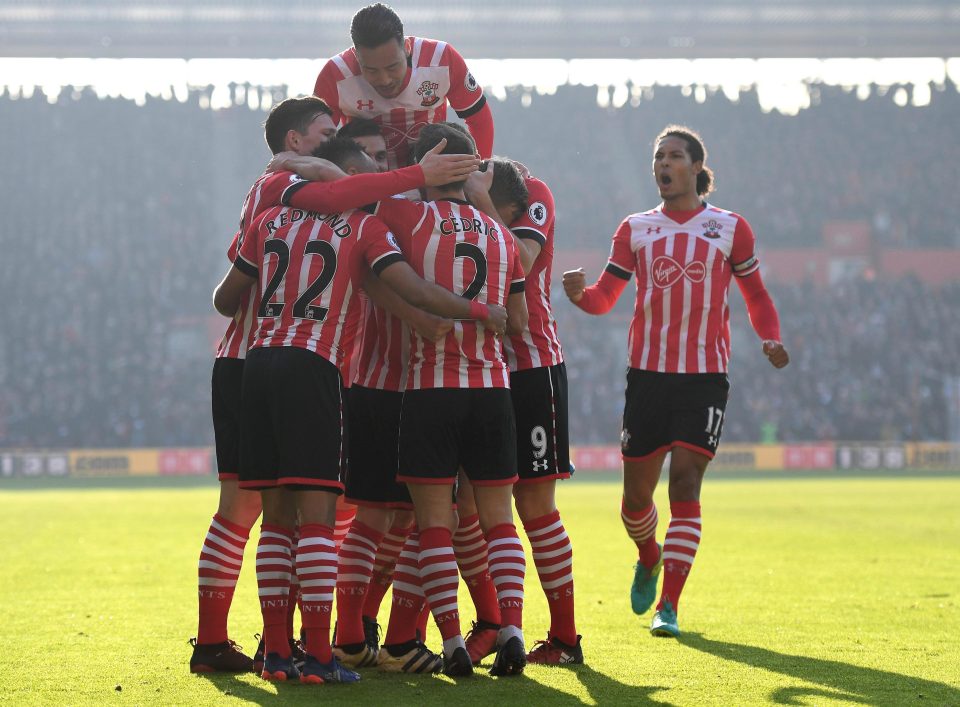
(112, 247)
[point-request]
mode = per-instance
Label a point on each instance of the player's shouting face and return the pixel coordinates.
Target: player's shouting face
(673, 168)
(384, 67)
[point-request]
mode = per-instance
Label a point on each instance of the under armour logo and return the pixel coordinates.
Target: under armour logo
(667, 271)
(712, 441)
(537, 467)
(653, 229)
(364, 105)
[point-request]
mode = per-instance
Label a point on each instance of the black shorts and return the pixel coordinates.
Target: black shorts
(372, 461)
(666, 410)
(540, 407)
(225, 387)
(293, 421)
(443, 429)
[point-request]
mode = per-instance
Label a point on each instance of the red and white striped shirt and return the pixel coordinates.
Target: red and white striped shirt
(539, 344)
(267, 191)
(683, 262)
(451, 243)
(437, 74)
(382, 350)
(308, 267)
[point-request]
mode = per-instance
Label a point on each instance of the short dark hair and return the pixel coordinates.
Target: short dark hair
(360, 127)
(459, 142)
(375, 25)
(291, 114)
(697, 152)
(343, 152)
(508, 186)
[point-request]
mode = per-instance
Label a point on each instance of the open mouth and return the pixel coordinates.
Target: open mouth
(665, 179)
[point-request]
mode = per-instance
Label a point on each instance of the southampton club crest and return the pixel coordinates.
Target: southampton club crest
(711, 229)
(428, 92)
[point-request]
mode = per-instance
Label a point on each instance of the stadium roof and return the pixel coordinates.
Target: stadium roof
(487, 28)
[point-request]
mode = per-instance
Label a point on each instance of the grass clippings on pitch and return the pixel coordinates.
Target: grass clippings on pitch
(816, 592)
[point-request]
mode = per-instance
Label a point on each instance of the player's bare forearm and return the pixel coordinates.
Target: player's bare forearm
(517, 314)
(229, 294)
(396, 305)
(315, 169)
(424, 295)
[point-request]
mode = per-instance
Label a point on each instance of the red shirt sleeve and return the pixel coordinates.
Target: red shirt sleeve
(600, 298)
(538, 220)
(743, 256)
(326, 88)
(746, 269)
(402, 217)
(248, 257)
(517, 275)
(467, 99)
(351, 192)
(379, 249)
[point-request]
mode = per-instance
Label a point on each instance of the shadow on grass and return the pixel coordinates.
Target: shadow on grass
(605, 690)
(420, 690)
(843, 681)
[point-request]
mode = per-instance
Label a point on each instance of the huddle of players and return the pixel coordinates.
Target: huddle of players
(435, 314)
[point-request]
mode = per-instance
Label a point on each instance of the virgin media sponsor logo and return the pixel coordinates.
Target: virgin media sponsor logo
(667, 272)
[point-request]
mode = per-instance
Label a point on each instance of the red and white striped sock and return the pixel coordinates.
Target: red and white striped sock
(508, 567)
(471, 551)
(679, 549)
(553, 557)
(440, 579)
(383, 568)
(217, 572)
(317, 571)
(642, 528)
(408, 596)
(274, 565)
(294, 588)
(344, 519)
(357, 554)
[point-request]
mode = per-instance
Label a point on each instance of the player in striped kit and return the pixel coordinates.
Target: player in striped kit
(456, 411)
(296, 126)
(403, 83)
(683, 254)
(307, 266)
(538, 387)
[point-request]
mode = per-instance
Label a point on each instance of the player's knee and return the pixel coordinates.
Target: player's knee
(534, 500)
(685, 487)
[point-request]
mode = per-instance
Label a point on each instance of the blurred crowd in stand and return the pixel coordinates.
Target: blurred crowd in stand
(117, 218)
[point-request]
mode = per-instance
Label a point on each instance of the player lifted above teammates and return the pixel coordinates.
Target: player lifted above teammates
(403, 83)
(538, 387)
(683, 254)
(456, 410)
(307, 266)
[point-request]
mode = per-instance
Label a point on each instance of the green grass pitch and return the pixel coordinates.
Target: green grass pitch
(805, 592)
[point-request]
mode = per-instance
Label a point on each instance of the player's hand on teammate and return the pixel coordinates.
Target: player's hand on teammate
(574, 283)
(315, 169)
(432, 327)
(775, 352)
(496, 320)
(442, 169)
(478, 184)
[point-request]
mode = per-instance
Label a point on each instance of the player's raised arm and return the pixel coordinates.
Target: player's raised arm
(600, 297)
